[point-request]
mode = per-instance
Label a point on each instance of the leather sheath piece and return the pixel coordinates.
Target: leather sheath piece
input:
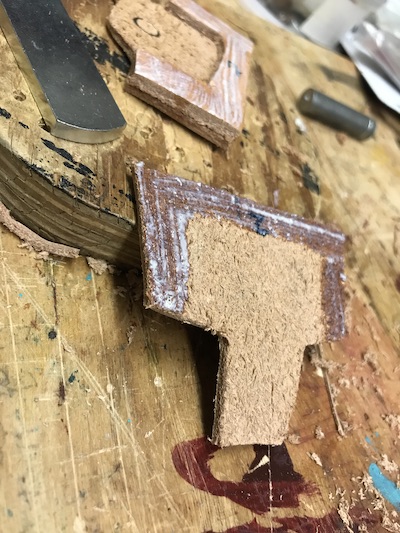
(185, 62)
(266, 282)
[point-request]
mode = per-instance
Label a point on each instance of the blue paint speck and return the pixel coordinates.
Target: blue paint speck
(129, 421)
(368, 440)
(20, 295)
(10, 513)
(89, 277)
(376, 434)
(387, 488)
(72, 377)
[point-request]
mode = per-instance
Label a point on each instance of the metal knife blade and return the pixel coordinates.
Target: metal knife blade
(72, 97)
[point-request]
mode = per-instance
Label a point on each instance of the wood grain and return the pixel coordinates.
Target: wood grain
(76, 454)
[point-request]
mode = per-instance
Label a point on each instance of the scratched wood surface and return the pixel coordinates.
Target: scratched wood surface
(103, 405)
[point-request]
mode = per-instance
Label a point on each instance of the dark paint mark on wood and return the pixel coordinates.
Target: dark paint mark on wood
(52, 334)
(4, 113)
(116, 469)
(279, 462)
(87, 184)
(41, 171)
(68, 185)
(310, 180)
(70, 163)
(237, 70)
(397, 283)
(72, 377)
(65, 426)
(127, 195)
(283, 116)
(60, 151)
(100, 51)
(23, 125)
(61, 393)
(145, 27)
(258, 221)
(77, 168)
(191, 462)
(55, 304)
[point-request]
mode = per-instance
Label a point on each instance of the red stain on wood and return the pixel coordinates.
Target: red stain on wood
(276, 478)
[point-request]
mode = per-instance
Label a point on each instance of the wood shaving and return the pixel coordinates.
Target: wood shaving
(344, 382)
(335, 392)
(300, 126)
(358, 330)
(393, 422)
(319, 434)
(32, 241)
(389, 466)
(97, 265)
(340, 492)
(120, 291)
(130, 333)
(343, 512)
(347, 427)
(371, 359)
(315, 458)
(317, 359)
(318, 362)
(293, 438)
(378, 503)
(389, 525)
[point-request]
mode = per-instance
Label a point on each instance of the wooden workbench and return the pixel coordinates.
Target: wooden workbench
(104, 406)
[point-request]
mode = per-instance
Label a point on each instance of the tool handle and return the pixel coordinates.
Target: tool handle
(331, 112)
